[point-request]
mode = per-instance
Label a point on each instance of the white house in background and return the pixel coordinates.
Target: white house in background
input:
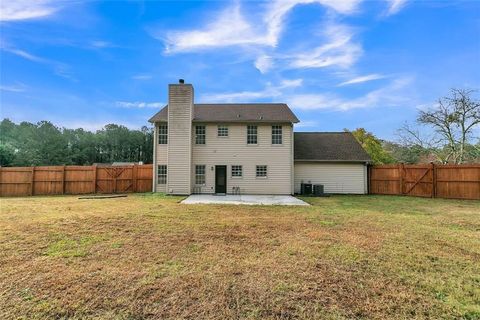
(248, 148)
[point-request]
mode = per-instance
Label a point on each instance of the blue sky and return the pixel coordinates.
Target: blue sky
(338, 64)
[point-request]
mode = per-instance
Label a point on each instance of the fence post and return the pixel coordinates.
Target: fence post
(401, 171)
(94, 169)
(32, 180)
(434, 180)
(63, 179)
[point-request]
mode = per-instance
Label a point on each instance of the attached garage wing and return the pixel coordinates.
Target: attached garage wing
(333, 159)
(343, 178)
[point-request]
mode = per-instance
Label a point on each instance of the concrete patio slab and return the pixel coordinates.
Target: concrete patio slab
(244, 199)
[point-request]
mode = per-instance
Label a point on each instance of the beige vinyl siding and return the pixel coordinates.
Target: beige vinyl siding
(336, 177)
(162, 157)
(179, 155)
(233, 150)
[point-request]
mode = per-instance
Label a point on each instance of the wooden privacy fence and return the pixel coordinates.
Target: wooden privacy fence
(429, 180)
(29, 181)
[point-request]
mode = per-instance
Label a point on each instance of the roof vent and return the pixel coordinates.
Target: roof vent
(261, 117)
(181, 81)
(238, 115)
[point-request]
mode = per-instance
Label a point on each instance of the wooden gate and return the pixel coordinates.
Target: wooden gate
(118, 179)
(113, 179)
(417, 180)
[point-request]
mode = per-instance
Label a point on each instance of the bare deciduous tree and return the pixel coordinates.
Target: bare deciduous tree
(453, 121)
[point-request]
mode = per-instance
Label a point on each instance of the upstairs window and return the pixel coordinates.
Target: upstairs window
(251, 134)
(261, 172)
(222, 131)
(276, 134)
(200, 134)
(162, 174)
(237, 171)
(162, 134)
(200, 174)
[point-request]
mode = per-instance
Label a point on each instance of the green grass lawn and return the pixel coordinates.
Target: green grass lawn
(147, 256)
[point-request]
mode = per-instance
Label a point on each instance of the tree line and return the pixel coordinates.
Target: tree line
(42, 143)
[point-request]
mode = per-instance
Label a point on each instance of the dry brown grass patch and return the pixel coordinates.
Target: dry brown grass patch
(147, 256)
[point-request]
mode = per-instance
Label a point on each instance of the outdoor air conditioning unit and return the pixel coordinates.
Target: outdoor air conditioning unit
(318, 190)
(306, 189)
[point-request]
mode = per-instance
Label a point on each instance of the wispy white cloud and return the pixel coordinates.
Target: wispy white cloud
(142, 77)
(270, 91)
(276, 13)
(389, 95)
(101, 44)
(260, 34)
(24, 54)
(139, 104)
(18, 87)
(306, 124)
(264, 63)
(231, 28)
(313, 101)
(286, 83)
(14, 10)
(339, 50)
(361, 79)
(394, 6)
(59, 68)
(65, 71)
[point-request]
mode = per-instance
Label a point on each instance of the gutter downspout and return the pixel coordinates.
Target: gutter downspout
(292, 164)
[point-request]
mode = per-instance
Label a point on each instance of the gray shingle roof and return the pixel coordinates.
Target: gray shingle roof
(328, 146)
(236, 112)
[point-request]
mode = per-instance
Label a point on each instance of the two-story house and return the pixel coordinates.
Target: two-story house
(248, 149)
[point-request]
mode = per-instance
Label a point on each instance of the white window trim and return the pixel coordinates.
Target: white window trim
(158, 174)
(204, 175)
(204, 135)
(271, 135)
(231, 171)
(266, 169)
(256, 134)
(224, 126)
(163, 134)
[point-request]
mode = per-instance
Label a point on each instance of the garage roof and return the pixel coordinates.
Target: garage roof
(236, 112)
(328, 146)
